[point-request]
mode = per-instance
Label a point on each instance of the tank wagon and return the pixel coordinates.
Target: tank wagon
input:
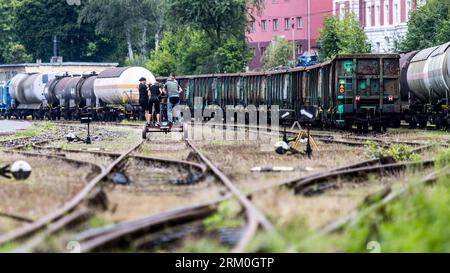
(116, 90)
(111, 95)
(426, 86)
(350, 90)
(5, 100)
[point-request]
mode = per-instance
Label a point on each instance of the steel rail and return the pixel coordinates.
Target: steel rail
(96, 238)
(248, 205)
(69, 206)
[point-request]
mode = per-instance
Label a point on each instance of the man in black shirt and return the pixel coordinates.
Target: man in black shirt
(143, 98)
(155, 92)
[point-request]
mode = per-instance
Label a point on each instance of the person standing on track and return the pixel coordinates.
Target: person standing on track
(143, 98)
(155, 91)
(173, 90)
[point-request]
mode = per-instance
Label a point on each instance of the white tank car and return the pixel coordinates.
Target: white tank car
(439, 70)
(120, 85)
(31, 91)
(429, 73)
(14, 87)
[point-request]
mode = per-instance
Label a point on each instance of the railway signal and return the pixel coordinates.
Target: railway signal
(87, 119)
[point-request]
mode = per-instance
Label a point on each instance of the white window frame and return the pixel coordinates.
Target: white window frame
(386, 13)
(397, 12)
(408, 8)
(275, 25)
(263, 25)
(341, 11)
(299, 22)
(377, 15)
(287, 23)
(369, 14)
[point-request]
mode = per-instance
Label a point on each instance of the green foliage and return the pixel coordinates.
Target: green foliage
(342, 37)
(182, 52)
(95, 222)
(297, 237)
(37, 129)
(202, 246)
(428, 26)
(399, 152)
(16, 53)
(278, 53)
(189, 51)
(225, 217)
(219, 19)
(416, 222)
(36, 22)
(233, 55)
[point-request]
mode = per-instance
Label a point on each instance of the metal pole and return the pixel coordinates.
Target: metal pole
(309, 26)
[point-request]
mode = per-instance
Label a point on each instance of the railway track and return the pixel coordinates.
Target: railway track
(103, 236)
(69, 206)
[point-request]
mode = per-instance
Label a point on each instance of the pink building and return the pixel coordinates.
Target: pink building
(288, 19)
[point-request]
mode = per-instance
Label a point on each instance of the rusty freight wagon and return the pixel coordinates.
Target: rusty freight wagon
(364, 90)
(361, 91)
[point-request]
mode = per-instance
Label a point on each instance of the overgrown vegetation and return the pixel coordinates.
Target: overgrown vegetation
(38, 129)
(225, 217)
(399, 152)
(417, 221)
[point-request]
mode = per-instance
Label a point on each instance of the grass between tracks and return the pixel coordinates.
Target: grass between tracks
(37, 129)
(417, 221)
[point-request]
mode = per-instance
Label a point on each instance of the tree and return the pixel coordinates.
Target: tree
(342, 37)
(8, 41)
(278, 53)
(233, 55)
(218, 18)
(16, 53)
(37, 22)
(182, 51)
(428, 26)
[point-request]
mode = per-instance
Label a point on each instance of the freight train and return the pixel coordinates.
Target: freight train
(111, 95)
(363, 91)
(350, 90)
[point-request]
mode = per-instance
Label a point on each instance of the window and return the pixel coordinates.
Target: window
(263, 51)
(342, 12)
(263, 25)
(252, 26)
(369, 16)
(299, 50)
(287, 24)
(386, 13)
(396, 14)
(377, 16)
(408, 8)
(275, 24)
(299, 23)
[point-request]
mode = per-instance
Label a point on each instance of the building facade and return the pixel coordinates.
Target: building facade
(288, 19)
(384, 21)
